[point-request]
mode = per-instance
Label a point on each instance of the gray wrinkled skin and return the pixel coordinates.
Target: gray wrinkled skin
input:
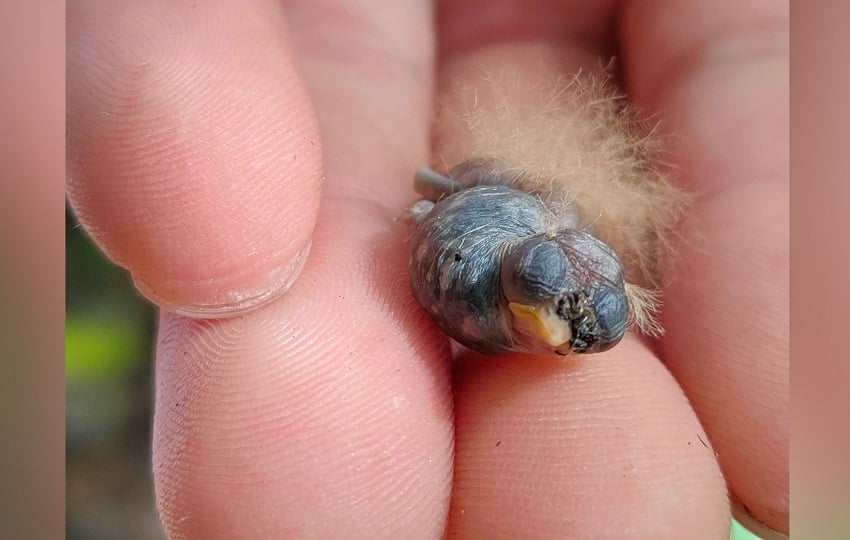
(484, 246)
(456, 261)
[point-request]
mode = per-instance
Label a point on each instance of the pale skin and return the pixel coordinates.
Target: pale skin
(210, 143)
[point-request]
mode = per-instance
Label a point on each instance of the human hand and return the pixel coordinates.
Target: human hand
(330, 410)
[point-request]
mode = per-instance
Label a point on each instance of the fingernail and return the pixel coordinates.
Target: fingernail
(743, 516)
(222, 302)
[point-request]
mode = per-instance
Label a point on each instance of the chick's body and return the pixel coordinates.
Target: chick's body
(457, 258)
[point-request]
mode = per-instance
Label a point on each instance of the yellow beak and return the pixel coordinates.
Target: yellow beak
(545, 324)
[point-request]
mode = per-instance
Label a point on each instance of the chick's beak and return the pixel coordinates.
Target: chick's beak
(543, 322)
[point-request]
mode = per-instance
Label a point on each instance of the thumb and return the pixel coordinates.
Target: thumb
(193, 152)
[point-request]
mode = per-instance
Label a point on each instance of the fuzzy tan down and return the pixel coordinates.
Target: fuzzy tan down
(574, 138)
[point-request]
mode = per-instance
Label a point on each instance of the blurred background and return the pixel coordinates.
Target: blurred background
(109, 366)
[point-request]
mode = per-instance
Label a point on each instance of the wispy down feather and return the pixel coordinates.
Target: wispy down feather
(574, 141)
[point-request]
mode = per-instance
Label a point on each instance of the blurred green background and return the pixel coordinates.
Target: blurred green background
(109, 369)
(108, 364)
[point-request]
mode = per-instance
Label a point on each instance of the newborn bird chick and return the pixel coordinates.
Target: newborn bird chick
(498, 273)
(525, 252)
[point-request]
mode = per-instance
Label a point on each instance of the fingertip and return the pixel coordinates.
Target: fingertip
(325, 414)
(604, 446)
(193, 152)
